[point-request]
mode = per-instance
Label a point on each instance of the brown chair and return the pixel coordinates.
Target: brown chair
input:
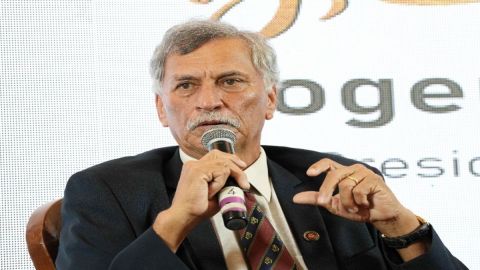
(43, 232)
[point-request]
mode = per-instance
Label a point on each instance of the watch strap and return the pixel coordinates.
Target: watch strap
(421, 232)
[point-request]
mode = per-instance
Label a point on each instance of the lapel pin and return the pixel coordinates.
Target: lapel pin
(311, 236)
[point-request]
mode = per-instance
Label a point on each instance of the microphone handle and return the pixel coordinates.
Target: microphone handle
(222, 145)
(232, 205)
(231, 197)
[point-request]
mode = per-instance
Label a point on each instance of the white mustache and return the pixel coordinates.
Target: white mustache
(215, 117)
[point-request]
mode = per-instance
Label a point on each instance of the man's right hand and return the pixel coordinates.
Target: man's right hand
(195, 198)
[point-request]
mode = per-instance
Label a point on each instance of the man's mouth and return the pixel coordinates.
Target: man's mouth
(211, 124)
(212, 119)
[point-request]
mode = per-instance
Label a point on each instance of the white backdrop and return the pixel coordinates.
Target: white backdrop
(75, 91)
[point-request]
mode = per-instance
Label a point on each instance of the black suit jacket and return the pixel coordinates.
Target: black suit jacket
(108, 211)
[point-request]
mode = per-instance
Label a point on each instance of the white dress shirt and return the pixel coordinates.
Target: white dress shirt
(257, 175)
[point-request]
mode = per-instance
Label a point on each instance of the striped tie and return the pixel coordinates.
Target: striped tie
(261, 244)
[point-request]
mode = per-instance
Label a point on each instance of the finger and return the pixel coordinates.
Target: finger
(331, 182)
(345, 187)
(240, 163)
(323, 165)
(334, 206)
(306, 197)
(217, 154)
(348, 184)
(239, 175)
(217, 174)
(337, 208)
(369, 186)
(236, 166)
(221, 169)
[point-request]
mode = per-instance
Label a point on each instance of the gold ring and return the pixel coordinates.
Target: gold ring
(353, 179)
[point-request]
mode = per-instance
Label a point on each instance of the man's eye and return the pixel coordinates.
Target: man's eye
(233, 84)
(184, 86)
(231, 81)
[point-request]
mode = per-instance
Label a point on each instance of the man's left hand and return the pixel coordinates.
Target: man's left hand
(362, 196)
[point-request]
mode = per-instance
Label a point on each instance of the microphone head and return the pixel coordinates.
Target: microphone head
(217, 134)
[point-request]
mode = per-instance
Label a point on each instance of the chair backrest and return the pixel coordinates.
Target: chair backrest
(43, 232)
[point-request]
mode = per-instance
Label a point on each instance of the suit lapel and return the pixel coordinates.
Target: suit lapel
(302, 218)
(202, 246)
(171, 172)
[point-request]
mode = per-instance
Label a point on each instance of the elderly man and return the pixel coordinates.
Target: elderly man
(160, 210)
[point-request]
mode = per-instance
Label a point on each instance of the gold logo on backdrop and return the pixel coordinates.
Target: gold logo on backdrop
(288, 10)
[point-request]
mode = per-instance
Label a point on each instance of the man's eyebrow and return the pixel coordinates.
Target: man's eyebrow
(231, 73)
(184, 78)
(188, 77)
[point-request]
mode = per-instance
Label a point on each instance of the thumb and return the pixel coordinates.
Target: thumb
(306, 197)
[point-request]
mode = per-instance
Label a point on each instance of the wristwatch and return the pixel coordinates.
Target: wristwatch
(421, 232)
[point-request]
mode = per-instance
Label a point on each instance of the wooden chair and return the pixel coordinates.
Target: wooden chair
(43, 232)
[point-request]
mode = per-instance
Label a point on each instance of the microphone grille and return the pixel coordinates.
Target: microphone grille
(217, 134)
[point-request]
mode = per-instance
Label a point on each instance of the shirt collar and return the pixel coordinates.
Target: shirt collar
(257, 173)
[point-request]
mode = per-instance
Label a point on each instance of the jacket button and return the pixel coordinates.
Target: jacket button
(311, 236)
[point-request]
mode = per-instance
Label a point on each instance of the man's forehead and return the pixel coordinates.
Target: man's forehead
(227, 41)
(231, 45)
(216, 56)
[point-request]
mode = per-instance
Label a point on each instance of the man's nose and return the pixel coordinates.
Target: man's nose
(209, 98)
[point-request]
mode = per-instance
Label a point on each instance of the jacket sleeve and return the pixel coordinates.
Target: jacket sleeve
(436, 258)
(97, 234)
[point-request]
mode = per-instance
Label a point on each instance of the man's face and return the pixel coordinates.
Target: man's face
(214, 85)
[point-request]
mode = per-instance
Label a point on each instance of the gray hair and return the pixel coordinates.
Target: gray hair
(187, 37)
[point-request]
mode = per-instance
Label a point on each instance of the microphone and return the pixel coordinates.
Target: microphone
(231, 197)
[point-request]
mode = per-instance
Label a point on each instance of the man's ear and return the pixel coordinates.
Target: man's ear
(271, 103)
(161, 110)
